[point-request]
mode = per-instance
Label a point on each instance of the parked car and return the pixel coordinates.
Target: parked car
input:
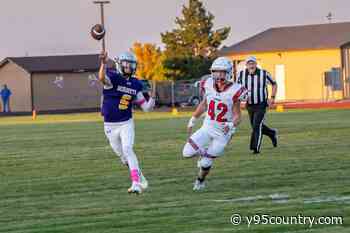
(178, 93)
(184, 92)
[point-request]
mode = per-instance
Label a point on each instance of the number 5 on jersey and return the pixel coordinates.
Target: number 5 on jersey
(124, 102)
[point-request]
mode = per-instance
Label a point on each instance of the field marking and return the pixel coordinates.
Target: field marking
(242, 199)
(275, 197)
(281, 198)
(322, 199)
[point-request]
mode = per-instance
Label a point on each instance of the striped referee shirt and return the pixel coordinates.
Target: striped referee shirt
(256, 84)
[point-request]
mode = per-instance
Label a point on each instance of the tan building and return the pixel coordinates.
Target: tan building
(52, 83)
(309, 62)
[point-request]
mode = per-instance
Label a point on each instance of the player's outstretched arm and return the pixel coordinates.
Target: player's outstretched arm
(102, 71)
(196, 114)
(200, 109)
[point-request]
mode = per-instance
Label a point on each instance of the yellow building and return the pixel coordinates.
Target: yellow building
(309, 62)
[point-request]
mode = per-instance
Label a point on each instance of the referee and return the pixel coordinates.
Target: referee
(255, 80)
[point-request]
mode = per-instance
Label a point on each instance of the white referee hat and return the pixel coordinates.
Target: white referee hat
(250, 59)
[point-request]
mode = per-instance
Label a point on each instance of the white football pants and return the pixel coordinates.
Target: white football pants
(121, 137)
(206, 142)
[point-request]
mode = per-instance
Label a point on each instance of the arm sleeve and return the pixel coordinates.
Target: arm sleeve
(143, 103)
(241, 95)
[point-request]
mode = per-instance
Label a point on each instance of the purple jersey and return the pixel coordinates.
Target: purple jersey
(118, 96)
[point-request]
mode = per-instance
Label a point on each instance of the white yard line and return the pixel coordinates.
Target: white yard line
(276, 197)
(322, 199)
(281, 198)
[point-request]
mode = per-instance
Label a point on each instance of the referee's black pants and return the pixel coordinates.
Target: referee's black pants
(256, 115)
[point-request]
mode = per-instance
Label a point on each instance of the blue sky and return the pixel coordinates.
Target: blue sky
(51, 27)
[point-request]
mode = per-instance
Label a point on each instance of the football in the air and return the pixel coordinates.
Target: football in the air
(98, 32)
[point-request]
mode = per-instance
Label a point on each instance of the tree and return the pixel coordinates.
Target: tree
(150, 61)
(193, 44)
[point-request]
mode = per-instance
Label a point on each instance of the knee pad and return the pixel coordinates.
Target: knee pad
(205, 163)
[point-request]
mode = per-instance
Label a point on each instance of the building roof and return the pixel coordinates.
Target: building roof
(320, 36)
(65, 63)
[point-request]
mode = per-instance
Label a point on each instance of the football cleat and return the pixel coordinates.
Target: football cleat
(198, 185)
(135, 188)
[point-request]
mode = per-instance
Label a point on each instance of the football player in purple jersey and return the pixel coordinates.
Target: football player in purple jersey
(121, 89)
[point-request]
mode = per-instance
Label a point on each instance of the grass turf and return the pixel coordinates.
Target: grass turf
(58, 174)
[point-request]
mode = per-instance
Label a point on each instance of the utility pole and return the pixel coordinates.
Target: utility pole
(102, 3)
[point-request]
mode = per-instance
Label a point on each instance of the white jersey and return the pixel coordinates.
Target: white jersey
(220, 104)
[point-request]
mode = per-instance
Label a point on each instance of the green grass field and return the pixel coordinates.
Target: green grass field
(58, 174)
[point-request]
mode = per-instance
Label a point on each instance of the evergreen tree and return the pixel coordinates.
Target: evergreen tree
(192, 45)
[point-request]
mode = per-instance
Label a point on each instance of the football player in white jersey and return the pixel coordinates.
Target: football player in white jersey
(221, 102)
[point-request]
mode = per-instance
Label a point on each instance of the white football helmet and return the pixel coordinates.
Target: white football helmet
(222, 64)
(126, 59)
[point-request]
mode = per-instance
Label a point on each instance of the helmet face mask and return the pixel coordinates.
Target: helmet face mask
(219, 75)
(126, 64)
(221, 69)
(128, 68)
